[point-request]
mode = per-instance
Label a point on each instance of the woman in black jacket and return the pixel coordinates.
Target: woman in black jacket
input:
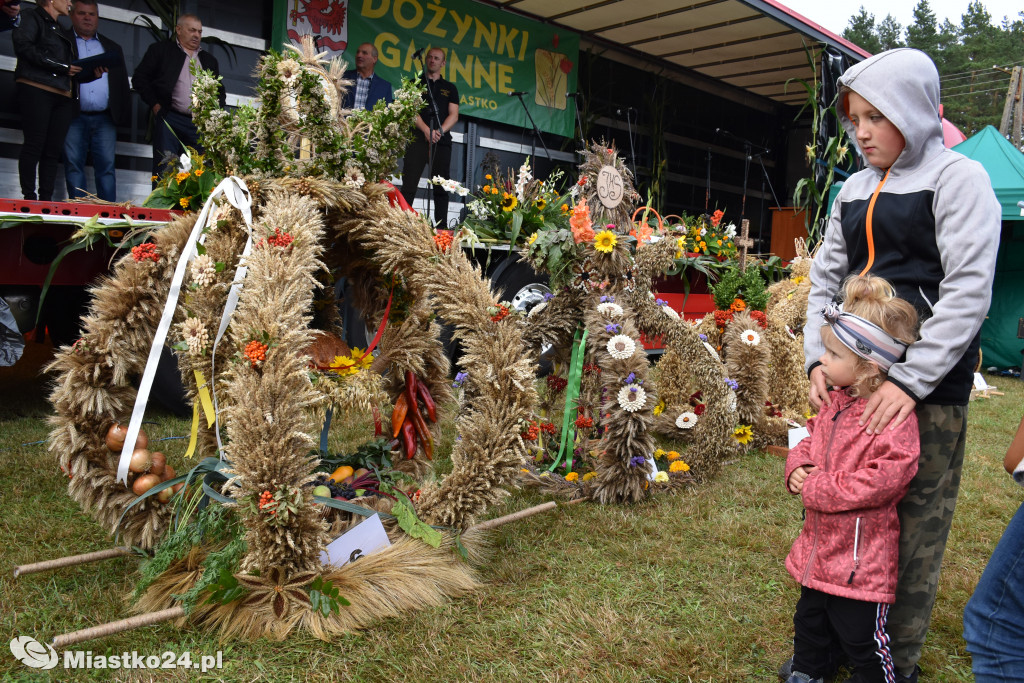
(43, 77)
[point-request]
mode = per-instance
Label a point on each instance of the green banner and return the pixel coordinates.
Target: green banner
(489, 53)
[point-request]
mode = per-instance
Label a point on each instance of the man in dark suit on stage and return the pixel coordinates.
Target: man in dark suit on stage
(368, 88)
(101, 105)
(164, 82)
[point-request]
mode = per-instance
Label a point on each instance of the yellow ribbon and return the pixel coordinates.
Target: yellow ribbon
(207, 403)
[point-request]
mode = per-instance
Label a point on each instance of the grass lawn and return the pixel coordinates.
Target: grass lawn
(683, 588)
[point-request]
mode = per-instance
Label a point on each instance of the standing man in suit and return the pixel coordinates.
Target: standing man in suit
(164, 82)
(369, 88)
(101, 105)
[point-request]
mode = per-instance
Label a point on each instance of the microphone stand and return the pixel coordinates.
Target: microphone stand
(747, 157)
(430, 144)
(536, 134)
(576, 97)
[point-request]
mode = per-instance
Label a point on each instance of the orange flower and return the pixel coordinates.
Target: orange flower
(738, 305)
(181, 176)
(643, 234)
(716, 217)
(198, 172)
(581, 224)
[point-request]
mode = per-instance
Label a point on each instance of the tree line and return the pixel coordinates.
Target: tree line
(974, 58)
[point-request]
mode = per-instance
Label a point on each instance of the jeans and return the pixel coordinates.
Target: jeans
(167, 142)
(994, 617)
(91, 133)
(44, 121)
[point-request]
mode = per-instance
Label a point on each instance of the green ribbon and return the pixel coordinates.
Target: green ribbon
(572, 392)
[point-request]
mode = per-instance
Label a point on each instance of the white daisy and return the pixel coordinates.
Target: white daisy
(632, 398)
(621, 347)
(610, 309)
(750, 337)
(686, 420)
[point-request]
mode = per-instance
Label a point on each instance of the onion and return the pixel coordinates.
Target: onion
(116, 435)
(145, 483)
(141, 461)
(159, 462)
(164, 495)
(177, 487)
(168, 474)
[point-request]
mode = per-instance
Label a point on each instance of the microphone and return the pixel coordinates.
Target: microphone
(518, 93)
(574, 94)
(418, 54)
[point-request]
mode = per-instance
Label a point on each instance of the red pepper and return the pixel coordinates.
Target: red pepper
(399, 413)
(428, 400)
(409, 438)
(423, 431)
(378, 426)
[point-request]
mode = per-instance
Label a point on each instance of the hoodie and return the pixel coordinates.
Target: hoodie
(934, 231)
(849, 545)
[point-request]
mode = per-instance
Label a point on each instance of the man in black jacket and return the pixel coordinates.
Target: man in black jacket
(101, 105)
(164, 82)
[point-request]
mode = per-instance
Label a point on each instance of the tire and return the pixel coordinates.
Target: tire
(518, 283)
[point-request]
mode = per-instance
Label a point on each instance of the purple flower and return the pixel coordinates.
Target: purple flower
(732, 384)
(459, 379)
(660, 302)
(703, 337)
(637, 460)
(613, 328)
(630, 378)
(608, 299)
(548, 296)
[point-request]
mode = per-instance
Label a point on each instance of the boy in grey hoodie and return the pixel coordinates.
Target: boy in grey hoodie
(926, 219)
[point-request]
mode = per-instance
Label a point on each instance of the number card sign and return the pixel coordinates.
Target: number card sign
(609, 187)
(364, 538)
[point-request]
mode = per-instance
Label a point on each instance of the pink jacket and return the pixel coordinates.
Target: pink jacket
(849, 545)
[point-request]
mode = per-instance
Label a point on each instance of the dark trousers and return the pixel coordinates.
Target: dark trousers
(416, 159)
(182, 133)
(859, 626)
(45, 117)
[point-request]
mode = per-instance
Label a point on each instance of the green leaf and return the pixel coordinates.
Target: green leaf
(414, 526)
(200, 249)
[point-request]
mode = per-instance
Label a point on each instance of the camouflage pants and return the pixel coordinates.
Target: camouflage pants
(925, 517)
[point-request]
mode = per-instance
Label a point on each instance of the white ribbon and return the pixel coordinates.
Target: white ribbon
(235, 191)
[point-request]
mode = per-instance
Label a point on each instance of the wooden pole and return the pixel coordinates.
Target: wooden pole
(522, 514)
(71, 560)
(113, 627)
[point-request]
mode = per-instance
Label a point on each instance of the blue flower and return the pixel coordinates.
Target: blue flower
(637, 460)
(608, 298)
(703, 337)
(630, 378)
(459, 379)
(661, 302)
(548, 296)
(613, 328)
(732, 384)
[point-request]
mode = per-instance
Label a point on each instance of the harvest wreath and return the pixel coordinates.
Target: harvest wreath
(248, 267)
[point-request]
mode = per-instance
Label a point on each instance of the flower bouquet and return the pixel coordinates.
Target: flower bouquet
(184, 186)
(508, 209)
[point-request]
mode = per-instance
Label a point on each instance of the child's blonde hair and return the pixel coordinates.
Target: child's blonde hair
(875, 300)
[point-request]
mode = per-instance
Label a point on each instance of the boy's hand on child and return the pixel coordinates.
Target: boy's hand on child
(889, 406)
(818, 393)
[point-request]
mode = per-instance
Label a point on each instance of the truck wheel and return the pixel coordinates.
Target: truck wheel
(519, 284)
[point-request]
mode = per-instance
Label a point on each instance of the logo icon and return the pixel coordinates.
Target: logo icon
(31, 652)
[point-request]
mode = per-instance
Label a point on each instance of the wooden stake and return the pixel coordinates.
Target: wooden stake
(522, 514)
(71, 560)
(744, 242)
(113, 627)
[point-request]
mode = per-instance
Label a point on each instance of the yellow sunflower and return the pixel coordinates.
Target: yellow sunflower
(532, 239)
(605, 241)
(743, 434)
(508, 202)
(540, 204)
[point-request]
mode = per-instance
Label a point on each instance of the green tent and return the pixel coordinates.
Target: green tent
(1000, 344)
